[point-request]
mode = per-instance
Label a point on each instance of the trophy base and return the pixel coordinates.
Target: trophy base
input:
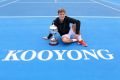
(53, 44)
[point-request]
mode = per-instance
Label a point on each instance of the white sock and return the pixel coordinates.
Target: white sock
(79, 38)
(74, 40)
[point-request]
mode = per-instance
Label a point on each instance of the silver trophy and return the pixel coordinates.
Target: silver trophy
(53, 31)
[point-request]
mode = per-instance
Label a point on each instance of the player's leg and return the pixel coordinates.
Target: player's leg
(78, 36)
(66, 39)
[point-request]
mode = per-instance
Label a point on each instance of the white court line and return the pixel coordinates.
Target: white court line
(8, 3)
(52, 2)
(118, 10)
(111, 2)
(94, 17)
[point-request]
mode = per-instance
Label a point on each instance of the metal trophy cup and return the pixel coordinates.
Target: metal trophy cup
(53, 31)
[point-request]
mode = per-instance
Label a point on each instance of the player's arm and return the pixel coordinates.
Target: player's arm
(47, 37)
(50, 35)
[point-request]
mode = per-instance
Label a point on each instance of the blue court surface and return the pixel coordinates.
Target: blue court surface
(23, 23)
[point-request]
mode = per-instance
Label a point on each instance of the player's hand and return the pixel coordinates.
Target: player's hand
(45, 38)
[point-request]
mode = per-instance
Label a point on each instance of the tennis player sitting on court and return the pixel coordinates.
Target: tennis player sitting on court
(66, 30)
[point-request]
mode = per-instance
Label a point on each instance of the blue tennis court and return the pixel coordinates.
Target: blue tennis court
(23, 23)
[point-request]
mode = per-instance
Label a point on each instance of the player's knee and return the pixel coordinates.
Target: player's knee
(65, 40)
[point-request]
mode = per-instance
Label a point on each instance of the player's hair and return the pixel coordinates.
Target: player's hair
(61, 10)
